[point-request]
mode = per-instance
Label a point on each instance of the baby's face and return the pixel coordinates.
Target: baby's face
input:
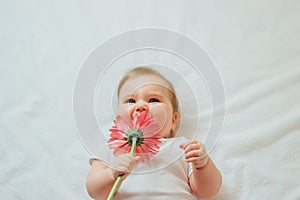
(148, 93)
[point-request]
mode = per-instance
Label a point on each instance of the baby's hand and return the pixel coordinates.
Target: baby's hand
(195, 153)
(124, 165)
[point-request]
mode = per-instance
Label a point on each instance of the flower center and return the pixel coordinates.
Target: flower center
(134, 133)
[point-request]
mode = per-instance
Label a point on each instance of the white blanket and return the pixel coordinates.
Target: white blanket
(256, 48)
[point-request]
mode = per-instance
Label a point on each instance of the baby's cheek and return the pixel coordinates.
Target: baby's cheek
(159, 115)
(124, 112)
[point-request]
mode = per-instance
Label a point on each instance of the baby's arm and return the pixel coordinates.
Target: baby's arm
(205, 180)
(101, 178)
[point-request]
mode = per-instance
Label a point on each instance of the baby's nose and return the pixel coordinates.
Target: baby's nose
(142, 106)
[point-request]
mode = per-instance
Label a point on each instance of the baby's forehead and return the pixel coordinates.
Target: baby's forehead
(146, 81)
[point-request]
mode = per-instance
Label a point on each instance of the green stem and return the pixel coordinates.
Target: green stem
(119, 179)
(133, 146)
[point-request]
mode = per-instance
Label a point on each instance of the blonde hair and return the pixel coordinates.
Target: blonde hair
(142, 71)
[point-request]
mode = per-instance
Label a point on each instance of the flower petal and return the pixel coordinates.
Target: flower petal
(121, 124)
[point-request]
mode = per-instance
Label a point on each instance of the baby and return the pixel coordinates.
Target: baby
(193, 175)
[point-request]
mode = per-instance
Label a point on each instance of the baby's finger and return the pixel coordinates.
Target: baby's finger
(193, 153)
(185, 146)
(124, 168)
(128, 159)
(192, 160)
(192, 147)
(137, 159)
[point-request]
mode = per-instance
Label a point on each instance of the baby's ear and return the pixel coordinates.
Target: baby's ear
(174, 120)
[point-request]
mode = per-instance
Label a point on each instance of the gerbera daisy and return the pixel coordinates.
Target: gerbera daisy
(140, 137)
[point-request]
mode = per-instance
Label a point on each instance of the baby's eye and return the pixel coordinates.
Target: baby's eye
(130, 101)
(153, 100)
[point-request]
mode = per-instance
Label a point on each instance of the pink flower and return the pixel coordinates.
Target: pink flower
(142, 129)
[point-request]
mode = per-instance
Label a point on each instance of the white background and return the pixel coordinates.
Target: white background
(255, 45)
